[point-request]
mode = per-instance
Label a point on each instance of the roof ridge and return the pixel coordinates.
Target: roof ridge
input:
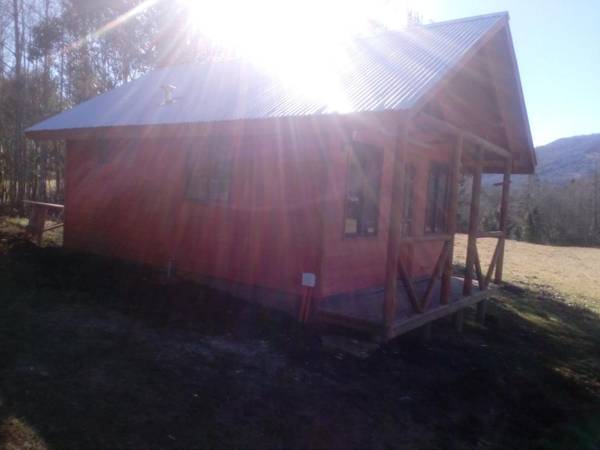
(498, 14)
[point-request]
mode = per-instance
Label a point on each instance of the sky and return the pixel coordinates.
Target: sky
(557, 43)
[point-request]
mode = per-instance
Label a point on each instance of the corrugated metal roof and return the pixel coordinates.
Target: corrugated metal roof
(389, 71)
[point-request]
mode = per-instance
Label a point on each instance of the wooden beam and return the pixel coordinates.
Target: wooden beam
(408, 286)
(468, 103)
(447, 127)
(490, 234)
(473, 229)
(419, 320)
(443, 84)
(503, 221)
(451, 219)
(437, 272)
(54, 227)
(493, 263)
(478, 271)
(500, 97)
(425, 238)
(395, 227)
(46, 205)
(421, 145)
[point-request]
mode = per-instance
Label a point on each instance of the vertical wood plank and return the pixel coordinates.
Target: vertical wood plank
(504, 202)
(478, 271)
(473, 225)
(451, 220)
(395, 228)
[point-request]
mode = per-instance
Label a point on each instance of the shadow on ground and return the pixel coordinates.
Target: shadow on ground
(95, 354)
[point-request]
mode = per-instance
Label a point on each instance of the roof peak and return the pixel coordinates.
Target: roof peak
(499, 14)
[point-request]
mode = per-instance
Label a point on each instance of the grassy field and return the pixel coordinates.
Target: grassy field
(572, 273)
(97, 355)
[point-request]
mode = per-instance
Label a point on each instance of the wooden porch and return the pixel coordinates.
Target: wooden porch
(403, 303)
(363, 310)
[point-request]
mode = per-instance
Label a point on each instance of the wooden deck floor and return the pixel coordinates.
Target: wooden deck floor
(363, 310)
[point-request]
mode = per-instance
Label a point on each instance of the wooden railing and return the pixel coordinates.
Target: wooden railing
(484, 282)
(37, 219)
(421, 304)
(473, 262)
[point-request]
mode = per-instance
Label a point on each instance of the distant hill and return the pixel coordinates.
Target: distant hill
(561, 161)
(568, 158)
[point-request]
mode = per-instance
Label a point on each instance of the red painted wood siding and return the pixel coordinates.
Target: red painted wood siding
(133, 207)
(352, 263)
(356, 263)
(285, 215)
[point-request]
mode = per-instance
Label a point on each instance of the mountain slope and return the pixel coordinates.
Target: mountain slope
(568, 158)
(561, 161)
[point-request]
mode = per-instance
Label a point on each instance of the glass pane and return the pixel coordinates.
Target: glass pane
(431, 196)
(441, 200)
(362, 190)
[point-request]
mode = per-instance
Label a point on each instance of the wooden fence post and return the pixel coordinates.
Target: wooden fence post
(395, 230)
(451, 220)
(473, 225)
(37, 222)
(37, 219)
(503, 220)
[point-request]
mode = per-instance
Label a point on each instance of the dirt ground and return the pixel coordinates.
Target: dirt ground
(98, 355)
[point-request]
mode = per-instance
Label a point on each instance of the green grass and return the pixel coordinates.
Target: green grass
(97, 355)
(15, 226)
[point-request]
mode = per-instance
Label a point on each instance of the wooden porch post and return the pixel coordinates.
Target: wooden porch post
(473, 225)
(451, 220)
(395, 230)
(503, 219)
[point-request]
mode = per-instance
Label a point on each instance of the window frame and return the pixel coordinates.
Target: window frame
(408, 202)
(201, 155)
(378, 153)
(437, 168)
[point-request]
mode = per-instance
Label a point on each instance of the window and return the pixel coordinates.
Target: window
(362, 190)
(209, 172)
(409, 200)
(437, 198)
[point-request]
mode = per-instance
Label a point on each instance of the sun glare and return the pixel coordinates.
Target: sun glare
(300, 40)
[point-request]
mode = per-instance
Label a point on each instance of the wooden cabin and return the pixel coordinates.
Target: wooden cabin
(335, 205)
